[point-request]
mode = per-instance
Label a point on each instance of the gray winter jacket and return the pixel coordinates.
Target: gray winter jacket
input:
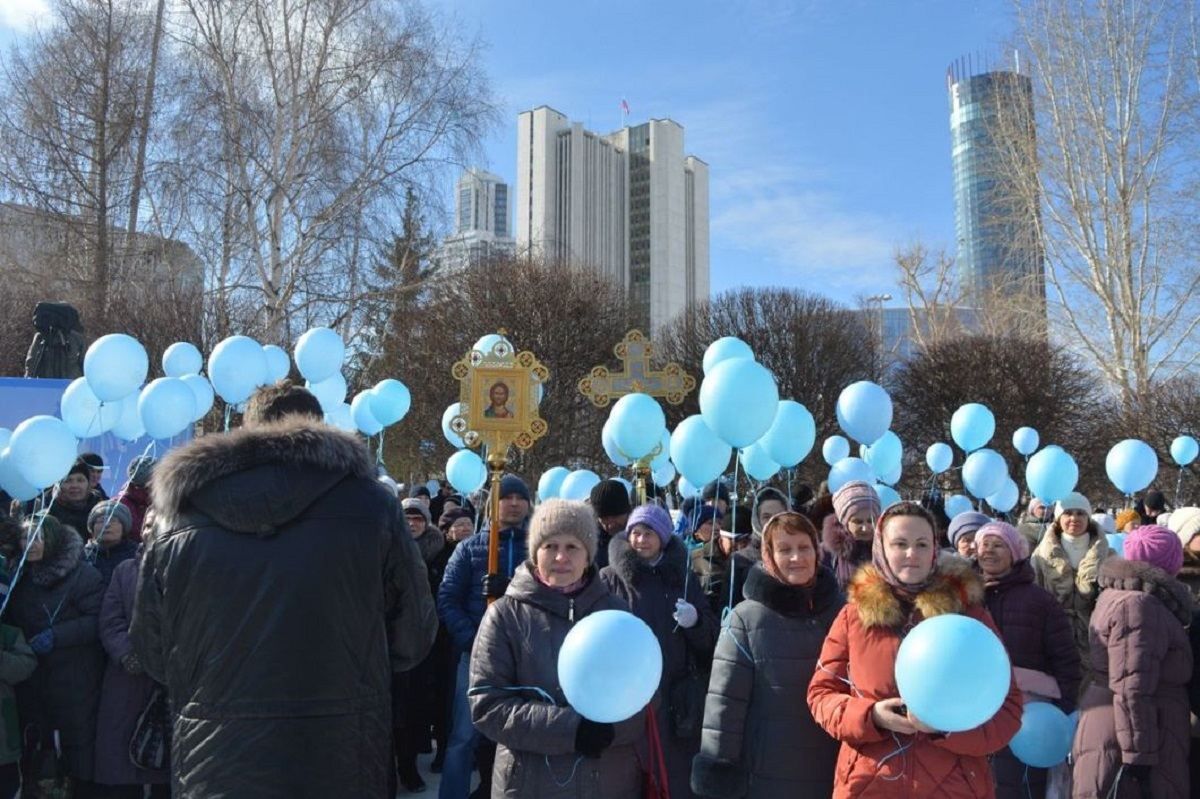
(514, 660)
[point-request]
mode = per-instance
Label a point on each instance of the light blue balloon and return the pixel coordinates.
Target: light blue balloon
(1025, 440)
(864, 411)
(487, 344)
(115, 365)
(725, 349)
(638, 423)
(972, 426)
(609, 666)
(182, 358)
(932, 659)
(956, 504)
(236, 368)
(1045, 737)
(608, 441)
(847, 470)
(166, 407)
(578, 485)
(738, 400)
(319, 354)
(390, 401)
(887, 495)
(5, 437)
(984, 472)
(202, 393)
(938, 457)
(757, 463)
(129, 425)
(550, 483)
(83, 412)
(1184, 450)
(466, 471)
(1116, 542)
(43, 449)
(835, 449)
(664, 450)
(791, 435)
(364, 419)
(628, 486)
(1007, 497)
(11, 480)
(699, 454)
(686, 489)
(330, 392)
(1051, 474)
(892, 477)
(885, 455)
(663, 475)
(452, 410)
(342, 418)
(279, 365)
(1131, 465)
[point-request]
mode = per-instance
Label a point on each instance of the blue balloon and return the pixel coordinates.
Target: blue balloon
(932, 659)
(578, 485)
(11, 480)
(182, 358)
(686, 489)
(83, 412)
(887, 495)
(129, 425)
(452, 410)
(1116, 542)
(1131, 465)
(699, 454)
(1051, 474)
(342, 418)
(791, 435)
(864, 411)
(390, 401)
(984, 472)
(638, 423)
(319, 354)
(202, 393)
(330, 392)
(278, 363)
(43, 450)
(956, 504)
(1025, 440)
(757, 463)
(847, 470)
(885, 455)
(664, 450)
(166, 406)
(972, 426)
(663, 475)
(609, 666)
(1184, 450)
(236, 368)
(1007, 497)
(115, 365)
(835, 449)
(364, 419)
(550, 483)
(487, 344)
(1045, 737)
(892, 477)
(725, 349)
(466, 471)
(938, 457)
(738, 400)
(608, 441)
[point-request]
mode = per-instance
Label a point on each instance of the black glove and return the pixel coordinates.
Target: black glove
(494, 586)
(1142, 775)
(593, 737)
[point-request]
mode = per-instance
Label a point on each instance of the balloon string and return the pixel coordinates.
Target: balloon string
(41, 517)
(228, 413)
(733, 500)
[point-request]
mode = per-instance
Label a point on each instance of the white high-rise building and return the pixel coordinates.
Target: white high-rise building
(628, 204)
(481, 221)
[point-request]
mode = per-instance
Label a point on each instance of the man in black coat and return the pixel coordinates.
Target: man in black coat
(279, 592)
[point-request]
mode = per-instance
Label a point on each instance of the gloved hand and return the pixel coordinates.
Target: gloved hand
(593, 737)
(685, 614)
(132, 665)
(494, 586)
(43, 642)
(1142, 775)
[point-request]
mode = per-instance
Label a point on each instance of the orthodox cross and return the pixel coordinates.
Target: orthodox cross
(670, 383)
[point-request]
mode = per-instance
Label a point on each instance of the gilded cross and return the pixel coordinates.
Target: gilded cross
(670, 383)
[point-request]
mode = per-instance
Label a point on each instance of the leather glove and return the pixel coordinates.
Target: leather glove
(132, 665)
(685, 614)
(494, 586)
(43, 642)
(593, 737)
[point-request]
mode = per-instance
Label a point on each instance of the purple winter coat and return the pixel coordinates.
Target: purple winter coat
(123, 696)
(1136, 712)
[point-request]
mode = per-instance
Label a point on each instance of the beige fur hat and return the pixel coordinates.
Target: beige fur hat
(563, 517)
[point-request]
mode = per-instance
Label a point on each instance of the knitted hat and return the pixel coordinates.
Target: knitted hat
(965, 523)
(1104, 522)
(1006, 533)
(715, 490)
(705, 513)
(653, 517)
(1185, 523)
(1126, 516)
(413, 506)
(1072, 501)
(79, 467)
(1157, 546)
(853, 497)
(1155, 502)
(102, 510)
(511, 484)
(610, 498)
(140, 469)
(562, 517)
(93, 460)
(1035, 508)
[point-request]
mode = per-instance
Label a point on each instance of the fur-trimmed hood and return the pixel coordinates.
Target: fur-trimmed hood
(955, 587)
(253, 480)
(1118, 574)
(60, 559)
(625, 562)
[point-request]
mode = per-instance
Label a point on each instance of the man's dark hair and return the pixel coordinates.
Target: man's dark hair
(285, 398)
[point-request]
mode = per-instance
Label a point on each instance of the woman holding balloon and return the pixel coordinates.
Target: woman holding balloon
(887, 750)
(545, 747)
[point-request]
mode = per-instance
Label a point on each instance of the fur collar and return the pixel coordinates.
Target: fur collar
(1119, 574)
(52, 570)
(955, 588)
(1020, 574)
(253, 478)
(626, 563)
(791, 600)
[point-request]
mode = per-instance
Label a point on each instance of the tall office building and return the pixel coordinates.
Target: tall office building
(481, 218)
(628, 204)
(995, 205)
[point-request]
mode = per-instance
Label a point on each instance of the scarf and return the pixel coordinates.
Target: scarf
(880, 562)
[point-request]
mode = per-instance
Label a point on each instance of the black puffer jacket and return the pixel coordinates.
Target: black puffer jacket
(267, 601)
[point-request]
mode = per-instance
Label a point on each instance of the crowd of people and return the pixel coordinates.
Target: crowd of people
(261, 614)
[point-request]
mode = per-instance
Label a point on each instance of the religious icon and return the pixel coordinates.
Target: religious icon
(500, 400)
(498, 407)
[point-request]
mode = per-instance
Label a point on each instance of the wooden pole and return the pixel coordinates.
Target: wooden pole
(497, 461)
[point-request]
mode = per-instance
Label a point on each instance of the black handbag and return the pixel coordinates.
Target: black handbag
(686, 701)
(150, 746)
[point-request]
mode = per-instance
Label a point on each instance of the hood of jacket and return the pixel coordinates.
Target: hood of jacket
(52, 570)
(524, 587)
(792, 600)
(626, 562)
(257, 479)
(955, 587)
(763, 495)
(1119, 574)
(431, 543)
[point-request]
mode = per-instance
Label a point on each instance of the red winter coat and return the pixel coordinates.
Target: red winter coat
(863, 643)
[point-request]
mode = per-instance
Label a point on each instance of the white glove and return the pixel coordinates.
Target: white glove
(685, 614)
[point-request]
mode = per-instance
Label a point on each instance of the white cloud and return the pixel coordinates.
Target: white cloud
(22, 15)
